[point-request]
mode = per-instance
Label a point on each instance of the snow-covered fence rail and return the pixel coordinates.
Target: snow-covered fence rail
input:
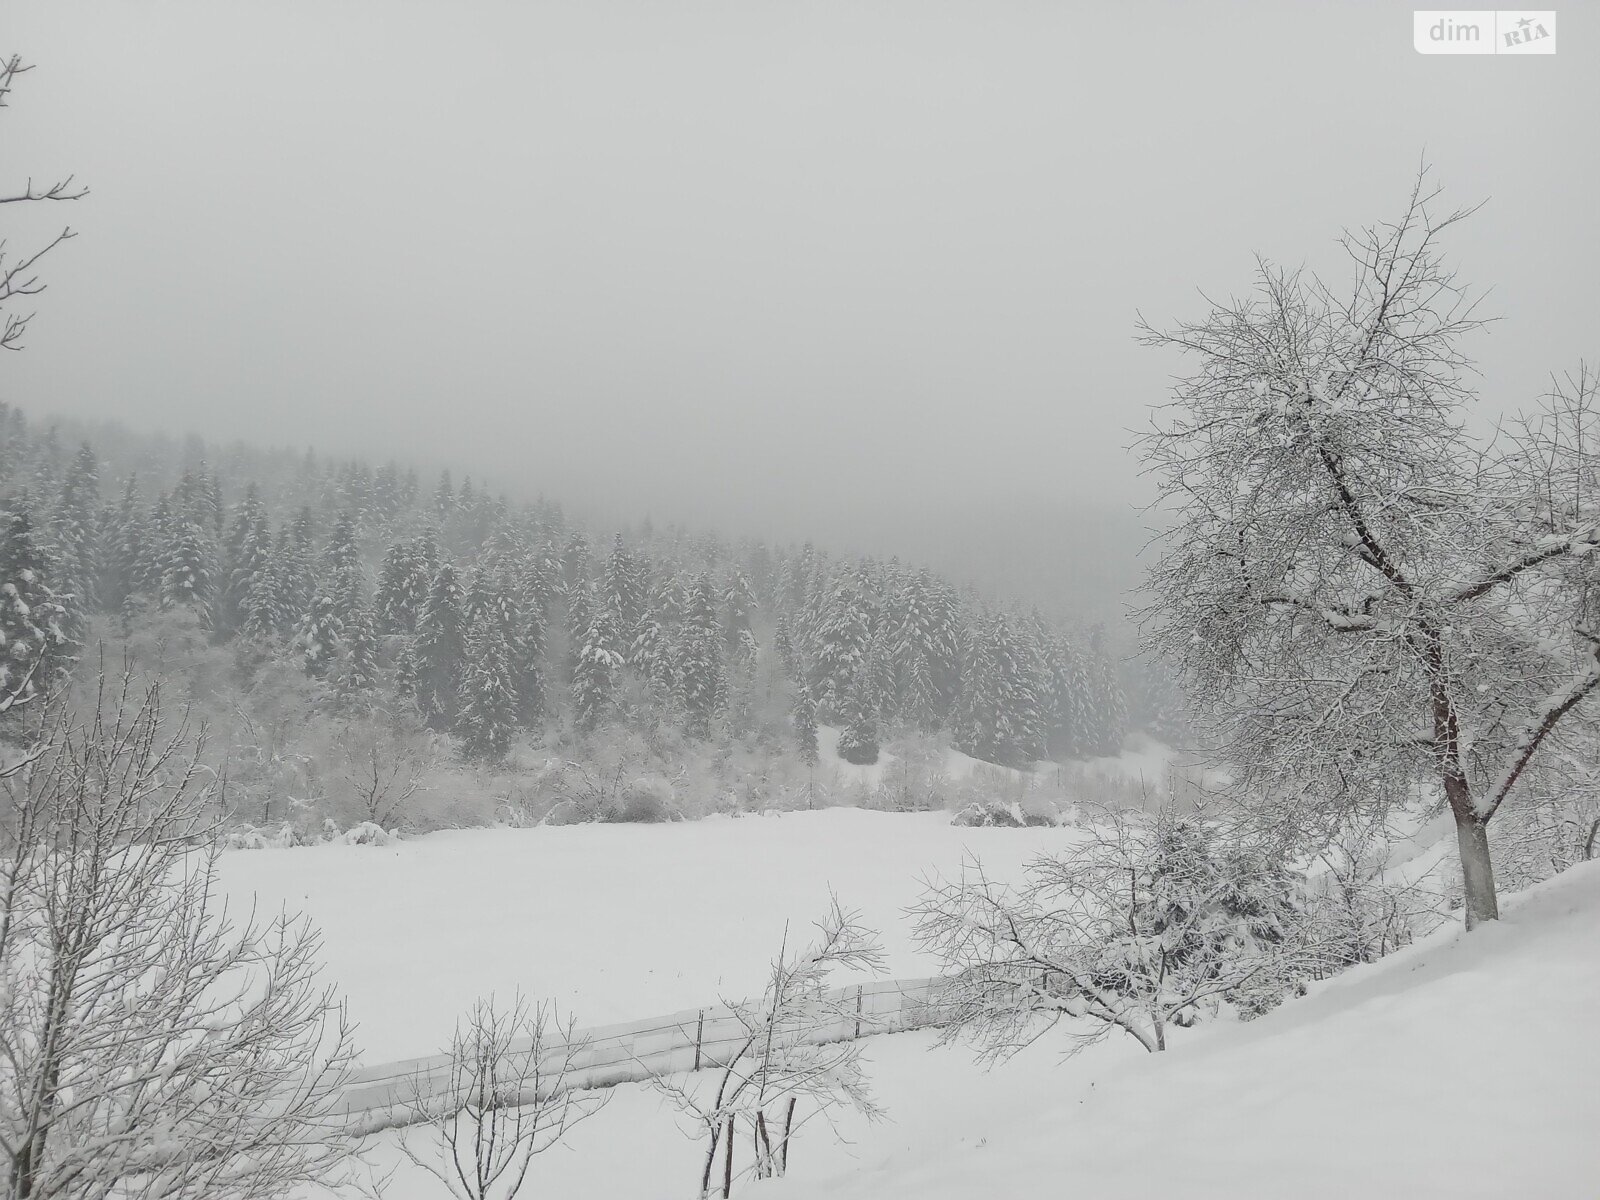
(389, 1094)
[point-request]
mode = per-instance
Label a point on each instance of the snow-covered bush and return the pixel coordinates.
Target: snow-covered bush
(1363, 902)
(646, 800)
(1151, 922)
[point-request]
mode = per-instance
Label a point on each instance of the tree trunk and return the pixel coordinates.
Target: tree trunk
(788, 1124)
(1472, 834)
(1477, 873)
(711, 1161)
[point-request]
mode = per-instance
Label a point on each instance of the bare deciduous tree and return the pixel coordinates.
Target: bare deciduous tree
(385, 766)
(19, 277)
(508, 1098)
(149, 1045)
(1368, 602)
(795, 1048)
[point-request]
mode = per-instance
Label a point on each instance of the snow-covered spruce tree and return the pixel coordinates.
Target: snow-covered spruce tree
(121, 548)
(523, 623)
(408, 570)
(75, 531)
(576, 569)
(151, 1046)
(838, 646)
(395, 614)
(247, 556)
(321, 634)
(355, 681)
(998, 718)
(739, 604)
(35, 650)
(1106, 703)
(264, 608)
(186, 579)
(650, 656)
(438, 649)
(783, 643)
(1363, 597)
(487, 716)
(1152, 922)
(701, 684)
(624, 589)
(805, 725)
(858, 734)
(599, 662)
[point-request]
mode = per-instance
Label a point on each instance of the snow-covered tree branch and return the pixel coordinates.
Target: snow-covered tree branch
(150, 1045)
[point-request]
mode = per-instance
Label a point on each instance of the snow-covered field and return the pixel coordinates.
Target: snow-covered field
(1461, 1067)
(615, 922)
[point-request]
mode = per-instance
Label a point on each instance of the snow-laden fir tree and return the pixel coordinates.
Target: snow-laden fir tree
(487, 716)
(575, 565)
(75, 531)
(246, 555)
(650, 656)
(739, 605)
(403, 585)
(439, 647)
(624, 589)
(700, 684)
(356, 675)
(599, 662)
(783, 643)
(838, 646)
(122, 542)
(35, 650)
(265, 610)
(805, 725)
(186, 579)
(858, 733)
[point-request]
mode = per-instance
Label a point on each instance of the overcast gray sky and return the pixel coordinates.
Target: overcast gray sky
(830, 268)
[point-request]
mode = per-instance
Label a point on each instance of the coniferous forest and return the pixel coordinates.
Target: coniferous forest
(366, 644)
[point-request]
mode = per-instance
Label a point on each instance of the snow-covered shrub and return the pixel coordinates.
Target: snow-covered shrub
(366, 834)
(985, 815)
(252, 837)
(1152, 922)
(643, 801)
(1362, 901)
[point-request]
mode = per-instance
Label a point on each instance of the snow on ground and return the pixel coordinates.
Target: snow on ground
(615, 922)
(1462, 1067)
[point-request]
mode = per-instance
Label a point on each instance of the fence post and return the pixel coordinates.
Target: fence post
(858, 1010)
(699, 1032)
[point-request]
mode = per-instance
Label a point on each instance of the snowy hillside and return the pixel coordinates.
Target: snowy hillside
(1461, 1067)
(1464, 1066)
